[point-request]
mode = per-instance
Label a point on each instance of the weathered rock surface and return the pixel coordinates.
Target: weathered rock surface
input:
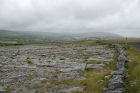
(2, 90)
(33, 68)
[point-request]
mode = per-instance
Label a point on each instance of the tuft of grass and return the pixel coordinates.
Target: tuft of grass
(27, 58)
(126, 66)
(29, 62)
(49, 61)
(126, 47)
(98, 62)
(62, 58)
(89, 69)
(86, 57)
(97, 41)
(36, 86)
(111, 46)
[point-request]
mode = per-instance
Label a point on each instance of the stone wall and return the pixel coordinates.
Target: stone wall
(125, 42)
(116, 84)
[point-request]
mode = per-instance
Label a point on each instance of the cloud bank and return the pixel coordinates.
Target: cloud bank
(116, 16)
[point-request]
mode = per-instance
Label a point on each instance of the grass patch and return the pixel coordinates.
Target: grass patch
(9, 42)
(100, 42)
(62, 58)
(126, 66)
(111, 46)
(36, 86)
(49, 61)
(126, 47)
(98, 62)
(133, 81)
(86, 57)
(88, 69)
(29, 62)
(93, 81)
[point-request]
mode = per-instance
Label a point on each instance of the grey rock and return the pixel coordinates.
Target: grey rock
(0, 65)
(66, 69)
(114, 91)
(2, 90)
(89, 65)
(115, 85)
(122, 58)
(120, 65)
(72, 89)
(122, 72)
(107, 77)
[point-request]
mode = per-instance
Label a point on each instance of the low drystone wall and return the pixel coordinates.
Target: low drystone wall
(125, 42)
(116, 84)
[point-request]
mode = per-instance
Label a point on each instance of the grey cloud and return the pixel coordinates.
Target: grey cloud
(116, 16)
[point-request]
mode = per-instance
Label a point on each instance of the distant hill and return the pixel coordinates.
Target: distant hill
(98, 34)
(9, 33)
(32, 37)
(33, 33)
(26, 33)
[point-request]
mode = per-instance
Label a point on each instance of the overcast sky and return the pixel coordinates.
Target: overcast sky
(116, 16)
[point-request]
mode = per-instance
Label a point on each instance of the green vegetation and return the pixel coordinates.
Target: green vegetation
(27, 58)
(29, 62)
(93, 81)
(111, 46)
(86, 57)
(133, 81)
(49, 61)
(11, 42)
(126, 66)
(8, 38)
(101, 42)
(126, 47)
(98, 41)
(98, 62)
(62, 58)
(94, 78)
(89, 69)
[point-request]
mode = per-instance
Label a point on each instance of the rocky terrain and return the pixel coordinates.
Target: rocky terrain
(49, 68)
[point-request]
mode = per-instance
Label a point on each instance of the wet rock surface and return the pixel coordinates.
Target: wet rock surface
(52, 68)
(116, 84)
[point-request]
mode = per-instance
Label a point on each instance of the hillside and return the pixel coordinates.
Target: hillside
(29, 37)
(32, 37)
(39, 33)
(94, 34)
(9, 33)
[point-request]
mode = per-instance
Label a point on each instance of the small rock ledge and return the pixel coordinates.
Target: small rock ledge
(116, 84)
